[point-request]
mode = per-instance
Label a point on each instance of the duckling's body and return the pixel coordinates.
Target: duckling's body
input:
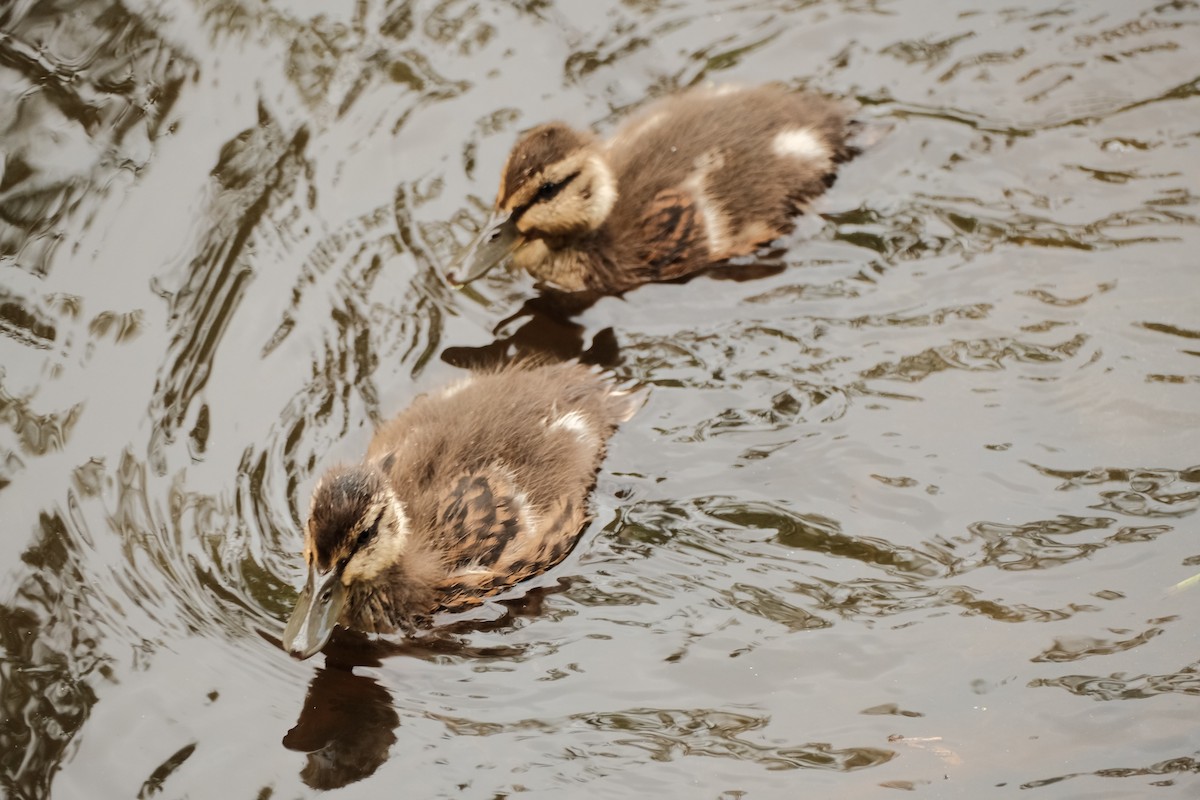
(469, 491)
(695, 179)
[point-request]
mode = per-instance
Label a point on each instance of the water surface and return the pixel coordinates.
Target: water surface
(907, 508)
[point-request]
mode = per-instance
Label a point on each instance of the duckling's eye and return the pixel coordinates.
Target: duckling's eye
(368, 533)
(548, 189)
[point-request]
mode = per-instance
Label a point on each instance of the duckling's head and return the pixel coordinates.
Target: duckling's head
(357, 530)
(555, 186)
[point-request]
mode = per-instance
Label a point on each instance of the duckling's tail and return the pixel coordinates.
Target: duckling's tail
(624, 397)
(862, 135)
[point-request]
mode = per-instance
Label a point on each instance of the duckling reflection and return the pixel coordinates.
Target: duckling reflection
(545, 326)
(694, 180)
(348, 721)
(542, 328)
(346, 727)
(470, 491)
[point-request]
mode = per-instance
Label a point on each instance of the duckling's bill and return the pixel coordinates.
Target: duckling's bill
(317, 611)
(495, 243)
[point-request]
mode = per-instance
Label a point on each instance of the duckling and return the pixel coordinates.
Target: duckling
(467, 492)
(695, 179)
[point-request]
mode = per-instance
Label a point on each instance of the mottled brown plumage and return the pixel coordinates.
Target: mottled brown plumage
(693, 180)
(467, 492)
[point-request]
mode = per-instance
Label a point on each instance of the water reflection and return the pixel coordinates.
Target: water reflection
(348, 720)
(83, 95)
(542, 328)
(614, 739)
(1120, 686)
(346, 727)
(711, 533)
(154, 783)
(1080, 647)
(37, 433)
(256, 173)
(50, 651)
(964, 398)
(1161, 771)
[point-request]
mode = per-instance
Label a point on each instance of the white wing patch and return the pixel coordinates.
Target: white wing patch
(727, 89)
(530, 521)
(604, 190)
(576, 423)
(801, 143)
(456, 387)
(716, 227)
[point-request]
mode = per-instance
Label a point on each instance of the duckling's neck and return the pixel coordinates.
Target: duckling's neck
(565, 262)
(395, 598)
(592, 261)
(601, 189)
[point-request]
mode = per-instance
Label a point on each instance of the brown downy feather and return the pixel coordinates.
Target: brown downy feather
(699, 178)
(493, 474)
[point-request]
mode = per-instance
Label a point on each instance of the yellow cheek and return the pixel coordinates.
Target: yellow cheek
(530, 254)
(365, 566)
(564, 215)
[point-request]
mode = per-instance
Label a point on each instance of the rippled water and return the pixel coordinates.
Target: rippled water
(910, 505)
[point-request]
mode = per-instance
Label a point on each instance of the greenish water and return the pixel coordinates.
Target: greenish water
(907, 509)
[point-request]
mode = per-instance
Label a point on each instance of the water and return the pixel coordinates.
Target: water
(908, 507)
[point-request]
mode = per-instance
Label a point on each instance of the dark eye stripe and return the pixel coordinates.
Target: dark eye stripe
(547, 191)
(368, 534)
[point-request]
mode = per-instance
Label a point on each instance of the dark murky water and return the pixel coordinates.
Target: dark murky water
(906, 513)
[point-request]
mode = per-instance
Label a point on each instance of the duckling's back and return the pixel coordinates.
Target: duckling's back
(513, 414)
(495, 470)
(714, 172)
